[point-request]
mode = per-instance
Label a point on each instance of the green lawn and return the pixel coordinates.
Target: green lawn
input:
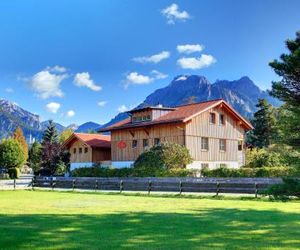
(61, 220)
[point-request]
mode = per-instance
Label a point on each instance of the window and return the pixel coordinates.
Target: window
(156, 141)
(134, 143)
(144, 118)
(240, 145)
(222, 119)
(86, 150)
(145, 143)
(204, 143)
(134, 119)
(148, 117)
(222, 145)
(74, 150)
(80, 150)
(223, 165)
(212, 118)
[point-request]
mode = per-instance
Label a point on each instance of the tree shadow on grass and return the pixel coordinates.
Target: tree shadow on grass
(213, 228)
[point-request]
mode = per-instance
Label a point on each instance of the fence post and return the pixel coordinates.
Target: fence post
(218, 188)
(96, 185)
(256, 189)
(180, 187)
(52, 184)
(32, 182)
(149, 187)
(121, 186)
(73, 186)
(14, 183)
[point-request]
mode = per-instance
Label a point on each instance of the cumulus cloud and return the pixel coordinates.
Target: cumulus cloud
(196, 62)
(173, 14)
(47, 84)
(84, 80)
(53, 107)
(154, 58)
(189, 48)
(102, 103)
(136, 78)
(158, 75)
(9, 90)
(70, 113)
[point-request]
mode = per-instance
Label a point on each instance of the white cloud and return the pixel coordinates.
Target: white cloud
(189, 48)
(47, 84)
(56, 69)
(70, 113)
(9, 90)
(173, 14)
(84, 80)
(53, 107)
(123, 108)
(102, 103)
(153, 59)
(196, 63)
(158, 75)
(136, 78)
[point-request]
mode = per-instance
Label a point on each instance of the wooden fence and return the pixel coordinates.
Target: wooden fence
(179, 185)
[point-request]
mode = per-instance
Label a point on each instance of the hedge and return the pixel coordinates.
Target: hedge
(97, 171)
(14, 173)
(250, 172)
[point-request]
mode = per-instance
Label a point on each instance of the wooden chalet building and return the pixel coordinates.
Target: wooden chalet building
(88, 149)
(213, 132)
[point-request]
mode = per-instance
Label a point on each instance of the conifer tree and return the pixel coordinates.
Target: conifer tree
(19, 136)
(288, 90)
(35, 156)
(50, 134)
(264, 125)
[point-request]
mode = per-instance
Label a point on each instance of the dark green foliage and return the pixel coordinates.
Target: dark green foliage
(35, 156)
(250, 172)
(11, 154)
(163, 157)
(288, 89)
(4, 176)
(50, 134)
(289, 188)
(264, 131)
(14, 173)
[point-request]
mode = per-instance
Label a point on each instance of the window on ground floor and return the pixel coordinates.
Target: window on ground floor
(222, 145)
(204, 143)
(240, 145)
(156, 141)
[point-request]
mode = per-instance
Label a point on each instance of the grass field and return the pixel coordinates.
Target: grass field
(61, 220)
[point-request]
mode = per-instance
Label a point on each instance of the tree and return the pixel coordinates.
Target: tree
(264, 121)
(19, 136)
(65, 135)
(50, 133)
(11, 154)
(160, 158)
(288, 90)
(35, 156)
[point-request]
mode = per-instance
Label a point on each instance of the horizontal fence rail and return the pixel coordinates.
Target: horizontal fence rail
(24, 182)
(179, 185)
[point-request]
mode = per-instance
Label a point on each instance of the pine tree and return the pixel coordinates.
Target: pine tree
(19, 136)
(264, 125)
(50, 134)
(288, 90)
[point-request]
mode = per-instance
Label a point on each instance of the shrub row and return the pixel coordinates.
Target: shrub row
(250, 172)
(289, 188)
(97, 171)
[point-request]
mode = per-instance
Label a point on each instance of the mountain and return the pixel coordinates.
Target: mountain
(88, 126)
(242, 94)
(13, 116)
(58, 126)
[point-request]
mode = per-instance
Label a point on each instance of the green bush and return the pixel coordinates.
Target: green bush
(163, 157)
(14, 173)
(250, 172)
(289, 188)
(11, 154)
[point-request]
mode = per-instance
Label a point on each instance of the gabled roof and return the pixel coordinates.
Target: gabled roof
(92, 140)
(182, 114)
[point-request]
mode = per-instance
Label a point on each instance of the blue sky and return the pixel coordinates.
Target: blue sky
(76, 61)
